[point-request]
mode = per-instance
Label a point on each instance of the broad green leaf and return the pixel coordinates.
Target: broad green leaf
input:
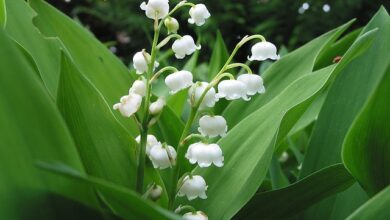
(366, 149)
(278, 178)
(218, 57)
(44, 52)
(31, 129)
(125, 203)
(286, 202)
(281, 74)
(344, 101)
(246, 158)
(3, 14)
(376, 208)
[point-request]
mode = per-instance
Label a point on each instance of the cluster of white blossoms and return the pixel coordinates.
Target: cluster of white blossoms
(201, 96)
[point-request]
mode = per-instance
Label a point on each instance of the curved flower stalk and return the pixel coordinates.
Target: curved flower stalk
(201, 97)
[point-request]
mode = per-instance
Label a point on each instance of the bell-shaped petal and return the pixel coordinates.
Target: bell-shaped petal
(138, 87)
(205, 154)
(196, 92)
(156, 8)
(264, 50)
(151, 141)
(254, 83)
(179, 80)
(184, 46)
(155, 192)
(193, 187)
(129, 104)
(199, 215)
(162, 156)
(232, 89)
(140, 64)
(212, 126)
(199, 14)
(156, 107)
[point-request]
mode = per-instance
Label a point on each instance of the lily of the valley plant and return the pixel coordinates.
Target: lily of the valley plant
(196, 148)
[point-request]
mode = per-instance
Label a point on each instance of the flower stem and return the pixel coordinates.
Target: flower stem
(145, 120)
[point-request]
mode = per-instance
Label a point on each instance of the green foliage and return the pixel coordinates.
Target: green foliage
(58, 84)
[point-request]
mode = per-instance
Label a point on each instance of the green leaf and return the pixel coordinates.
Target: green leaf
(31, 129)
(281, 74)
(376, 208)
(123, 202)
(366, 149)
(286, 202)
(219, 56)
(278, 178)
(246, 158)
(344, 101)
(3, 14)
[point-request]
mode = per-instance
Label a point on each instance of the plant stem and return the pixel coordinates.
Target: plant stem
(145, 120)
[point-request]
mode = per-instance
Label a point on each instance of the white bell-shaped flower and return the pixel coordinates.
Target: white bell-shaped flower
(155, 192)
(162, 156)
(205, 154)
(196, 92)
(171, 24)
(129, 104)
(199, 14)
(193, 187)
(254, 83)
(140, 63)
(199, 215)
(264, 50)
(151, 141)
(212, 126)
(138, 87)
(184, 46)
(156, 107)
(156, 8)
(232, 89)
(179, 80)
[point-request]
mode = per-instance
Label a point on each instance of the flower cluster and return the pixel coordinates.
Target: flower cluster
(201, 97)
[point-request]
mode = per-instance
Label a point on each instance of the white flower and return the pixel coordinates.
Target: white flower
(199, 215)
(199, 14)
(184, 46)
(193, 187)
(138, 87)
(156, 8)
(162, 156)
(205, 154)
(264, 50)
(129, 104)
(151, 141)
(232, 89)
(253, 82)
(140, 63)
(155, 192)
(171, 24)
(156, 107)
(179, 80)
(196, 92)
(212, 126)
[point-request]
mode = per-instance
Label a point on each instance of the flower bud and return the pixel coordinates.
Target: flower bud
(129, 104)
(155, 192)
(184, 46)
(253, 82)
(141, 61)
(212, 126)
(199, 215)
(156, 8)
(179, 80)
(156, 107)
(138, 87)
(151, 141)
(264, 50)
(205, 154)
(172, 25)
(199, 14)
(232, 89)
(196, 92)
(162, 156)
(193, 187)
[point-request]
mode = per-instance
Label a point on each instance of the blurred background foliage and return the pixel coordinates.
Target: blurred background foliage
(291, 23)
